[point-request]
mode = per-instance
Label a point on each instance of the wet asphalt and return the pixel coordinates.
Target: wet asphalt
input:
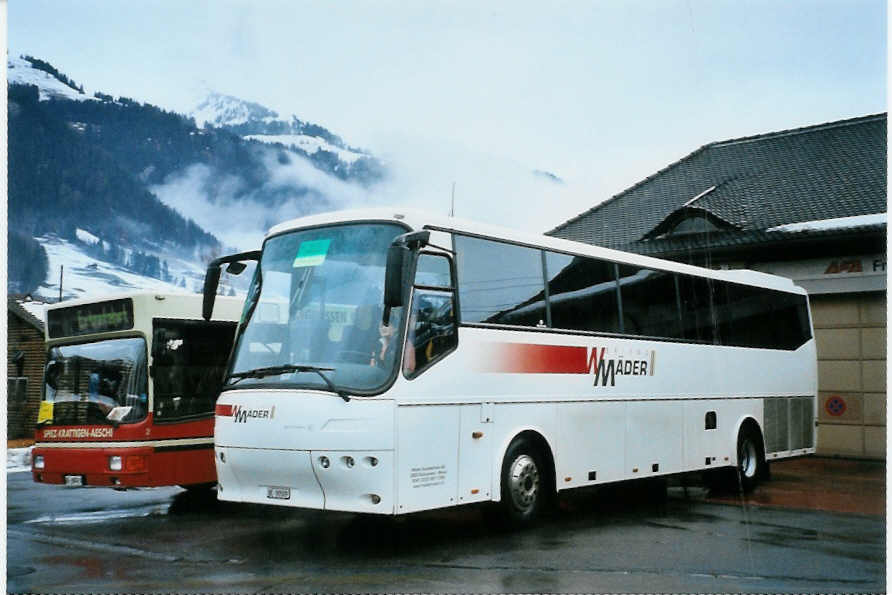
(640, 537)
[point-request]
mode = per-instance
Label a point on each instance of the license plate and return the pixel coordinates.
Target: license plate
(278, 493)
(74, 481)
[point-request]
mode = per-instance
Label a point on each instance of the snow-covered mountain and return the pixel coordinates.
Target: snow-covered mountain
(256, 122)
(220, 111)
(126, 195)
(23, 71)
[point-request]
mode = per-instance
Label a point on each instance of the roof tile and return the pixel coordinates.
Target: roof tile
(837, 169)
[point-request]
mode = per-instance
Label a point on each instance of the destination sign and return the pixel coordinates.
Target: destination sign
(114, 315)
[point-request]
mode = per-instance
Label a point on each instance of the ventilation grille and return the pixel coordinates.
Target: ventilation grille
(789, 423)
(808, 422)
(775, 425)
(796, 421)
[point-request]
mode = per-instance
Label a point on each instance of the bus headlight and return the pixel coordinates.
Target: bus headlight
(38, 462)
(114, 462)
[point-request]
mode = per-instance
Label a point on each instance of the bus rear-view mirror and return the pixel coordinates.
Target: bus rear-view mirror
(397, 259)
(212, 277)
(236, 268)
(211, 281)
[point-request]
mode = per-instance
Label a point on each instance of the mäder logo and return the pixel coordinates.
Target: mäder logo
(609, 369)
(241, 414)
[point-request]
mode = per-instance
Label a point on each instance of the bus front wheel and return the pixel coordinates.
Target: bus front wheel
(523, 483)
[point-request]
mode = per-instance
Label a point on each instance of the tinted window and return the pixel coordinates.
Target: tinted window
(582, 293)
(499, 283)
(695, 293)
(432, 317)
(431, 329)
(791, 317)
(649, 302)
(755, 317)
(189, 359)
(433, 270)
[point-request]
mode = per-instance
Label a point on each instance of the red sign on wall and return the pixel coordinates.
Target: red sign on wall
(835, 406)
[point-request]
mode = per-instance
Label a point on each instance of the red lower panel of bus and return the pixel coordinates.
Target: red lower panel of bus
(141, 466)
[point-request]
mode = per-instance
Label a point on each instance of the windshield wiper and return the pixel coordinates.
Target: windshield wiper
(284, 369)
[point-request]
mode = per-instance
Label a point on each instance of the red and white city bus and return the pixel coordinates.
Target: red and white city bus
(395, 361)
(129, 390)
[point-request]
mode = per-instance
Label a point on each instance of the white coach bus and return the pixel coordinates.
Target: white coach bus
(390, 362)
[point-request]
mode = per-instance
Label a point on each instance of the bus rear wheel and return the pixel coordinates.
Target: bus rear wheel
(751, 465)
(524, 482)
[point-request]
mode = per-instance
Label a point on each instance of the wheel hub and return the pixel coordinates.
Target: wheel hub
(747, 460)
(524, 482)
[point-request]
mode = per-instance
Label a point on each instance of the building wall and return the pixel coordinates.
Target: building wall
(848, 300)
(850, 331)
(22, 336)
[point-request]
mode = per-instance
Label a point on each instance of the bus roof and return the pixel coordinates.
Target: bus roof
(419, 219)
(171, 305)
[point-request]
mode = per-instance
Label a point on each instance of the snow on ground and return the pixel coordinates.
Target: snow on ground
(310, 144)
(85, 276)
(838, 223)
(18, 459)
(86, 237)
(19, 70)
(88, 277)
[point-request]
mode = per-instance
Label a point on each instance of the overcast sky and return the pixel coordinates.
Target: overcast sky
(601, 94)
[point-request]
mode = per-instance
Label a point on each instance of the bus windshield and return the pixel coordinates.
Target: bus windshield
(316, 303)
(102, 382)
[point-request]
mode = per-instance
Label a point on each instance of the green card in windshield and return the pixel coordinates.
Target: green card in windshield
(311, 253)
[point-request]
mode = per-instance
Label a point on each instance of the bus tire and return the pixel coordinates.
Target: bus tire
(751, 465)
(524, 483)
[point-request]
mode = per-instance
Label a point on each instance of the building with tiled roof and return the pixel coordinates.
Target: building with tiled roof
(736, 193)
(808, 204)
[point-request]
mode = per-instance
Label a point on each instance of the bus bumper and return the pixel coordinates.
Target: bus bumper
(350, 481)
(91, 466)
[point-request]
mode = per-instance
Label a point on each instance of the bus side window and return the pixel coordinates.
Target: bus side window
(582, 293)
(500, 283)
(698, 319)
(759, 317)
(650, 302)
(432, 331)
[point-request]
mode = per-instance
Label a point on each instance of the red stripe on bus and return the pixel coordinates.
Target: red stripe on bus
(526, 358)
(223, 410)
(141, 430)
